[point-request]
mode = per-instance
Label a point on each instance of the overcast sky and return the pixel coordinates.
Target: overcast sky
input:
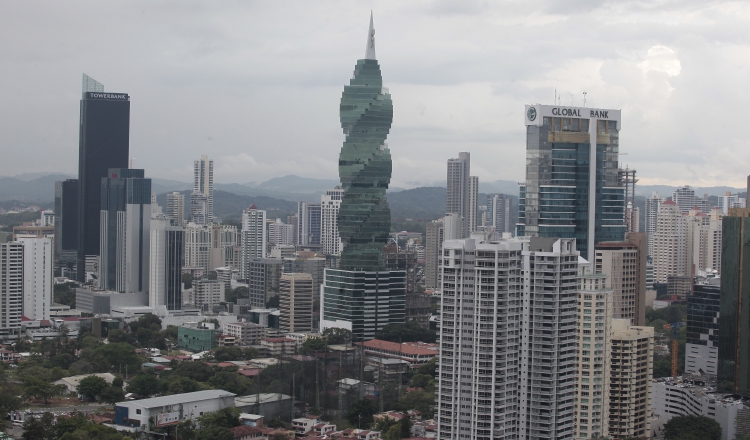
(256, 85)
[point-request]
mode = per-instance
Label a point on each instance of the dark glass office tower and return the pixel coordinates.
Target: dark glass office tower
(66, 224)
(103, 143)
(734, 311)
(362, 296)
(702, 337)
(571, 188)
(125, 223)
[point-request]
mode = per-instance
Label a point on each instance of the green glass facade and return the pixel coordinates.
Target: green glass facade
(196, 339)
(364, 218)
(734, 310)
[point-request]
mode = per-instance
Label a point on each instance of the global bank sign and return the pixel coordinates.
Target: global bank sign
(535, 114)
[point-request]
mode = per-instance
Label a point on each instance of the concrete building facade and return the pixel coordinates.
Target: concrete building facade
(296, 302)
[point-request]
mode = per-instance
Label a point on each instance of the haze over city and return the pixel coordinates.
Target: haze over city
(256, 85)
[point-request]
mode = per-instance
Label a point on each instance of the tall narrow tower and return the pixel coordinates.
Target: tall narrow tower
(202, 198)
(361, 295)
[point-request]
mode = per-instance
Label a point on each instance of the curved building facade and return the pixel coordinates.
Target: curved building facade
(366, 114)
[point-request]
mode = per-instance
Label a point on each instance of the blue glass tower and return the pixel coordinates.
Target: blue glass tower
(572, 188)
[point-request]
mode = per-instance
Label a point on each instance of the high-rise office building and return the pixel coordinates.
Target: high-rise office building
(652, 210)
(167, 244)
(125, 222)
(11, 289)
(507, 331)
(263, 280)
(362, 296)
(498, 212)
(432, 253)
(176, 208)
(104, 143)
(625, 265)
(296, 302)
(594, 345)
(199, 212)
(631, 371)
(203, 183)
(330, 238)
(308, 223)
(37, 277)
(313, 266)
(670, 243)
(734, 332)
(253, 238)
(471, 215)
(702, 333)
(686, 199)
(572, 188)
(66, 224)
(703, 241)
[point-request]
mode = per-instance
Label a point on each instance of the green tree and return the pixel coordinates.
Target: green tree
(277, 423)
(420, 400)
(407, 332)
(429, 368)
(313, 345)
(113, 395)
(213, 433)
(224, 354)
(143, 384)
(692, 428)
(40, 388)
(39, 428)
(336, 336)
(225, 418)
(273, 302)
(62, 360)
(187, 280)
(117, 381)
(170, 333)
(92, 386)
(76, 421)
(405, 427)
(181, 384)
(229, 380)
(423, 381)
(361, 412)
(194, 370)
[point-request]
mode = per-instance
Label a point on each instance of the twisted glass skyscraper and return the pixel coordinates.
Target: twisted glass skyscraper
(361, 295)
(366, 114)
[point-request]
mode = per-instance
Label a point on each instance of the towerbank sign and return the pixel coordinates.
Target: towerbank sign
(535, 114)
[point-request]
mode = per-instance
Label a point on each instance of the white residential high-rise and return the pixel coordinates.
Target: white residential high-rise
(199, 213)
(471, 215)
(507, 338)
(280, 233)
(11, 289)
(330, 202)
(203, 182)
(686, 199)
(594, 332)
(703, 240)
(453, 226)
(631, 372)
(197, 246)
(498, 209)
(176, 208)
(458, 181)
(206, 294)
(670, 243)
(652, 209)
(38, 266)
(253, 238)
(730, 200)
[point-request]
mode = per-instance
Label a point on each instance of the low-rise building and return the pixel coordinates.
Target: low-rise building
(70, 384)
(169, 410)
(245, 333)
(693, 396)
(271, 405)
(415, 353)
(196, 339)
(279, 346)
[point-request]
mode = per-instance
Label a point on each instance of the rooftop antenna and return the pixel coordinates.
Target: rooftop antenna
(584, 99)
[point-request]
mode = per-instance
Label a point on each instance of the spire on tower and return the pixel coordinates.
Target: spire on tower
(370, 52)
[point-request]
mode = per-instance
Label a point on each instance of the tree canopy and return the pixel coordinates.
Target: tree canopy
(407, 332)
(692, 428)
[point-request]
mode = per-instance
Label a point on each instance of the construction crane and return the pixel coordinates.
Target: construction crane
(675, 327)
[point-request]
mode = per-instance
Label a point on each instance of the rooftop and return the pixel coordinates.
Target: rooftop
(174, 399)
(406, 348)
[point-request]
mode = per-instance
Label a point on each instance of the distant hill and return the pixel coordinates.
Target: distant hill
(297, 184)
(229, 207)
(36, 190)
(427, 203)
(666, 190)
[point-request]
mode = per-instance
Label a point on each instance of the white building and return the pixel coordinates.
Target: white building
(471, 215)
(686, 199)
(670, 242)
(308, 223)
(165, 273)
(730, 200)
(280, 233)
(11, 288)
(134, 415)
(206, 293)
(507, 331)
(330, 241)
(594, 333)
(253, 238)
(458, 191)
(681, 397)
(197, 246)
(631, 372)
(652, 209)
(176, 208)
(246, 333)
(38, 266)
(199, 208)
(203, 182)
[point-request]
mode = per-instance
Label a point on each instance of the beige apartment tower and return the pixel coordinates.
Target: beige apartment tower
(670, 243)
(631, 372)
(594, 332)
(625, 265)
(296, 302)
(434, 244)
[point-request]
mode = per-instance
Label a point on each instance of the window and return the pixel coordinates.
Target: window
(137, 411)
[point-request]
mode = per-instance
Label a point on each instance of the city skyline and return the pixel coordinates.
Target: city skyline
(656, 78)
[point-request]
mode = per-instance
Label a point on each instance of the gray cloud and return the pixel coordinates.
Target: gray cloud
(256, 85)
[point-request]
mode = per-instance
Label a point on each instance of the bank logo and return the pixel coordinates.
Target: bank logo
(531, 113)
